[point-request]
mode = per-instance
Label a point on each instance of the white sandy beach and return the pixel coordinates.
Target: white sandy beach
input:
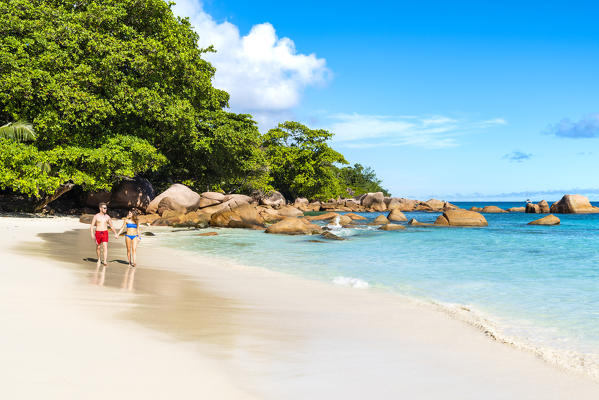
(186, 326)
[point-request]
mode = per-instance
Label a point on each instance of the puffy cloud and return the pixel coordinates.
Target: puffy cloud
(264, 74)
(433, 132)
(587, 127)
(517, 156)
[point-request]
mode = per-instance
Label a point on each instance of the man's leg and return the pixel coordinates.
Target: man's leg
(98, 253)
(105, 245)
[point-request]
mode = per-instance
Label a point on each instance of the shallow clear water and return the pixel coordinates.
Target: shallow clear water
(538, 282)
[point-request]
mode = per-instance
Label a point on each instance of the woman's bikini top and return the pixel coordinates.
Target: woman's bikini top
(131, 225)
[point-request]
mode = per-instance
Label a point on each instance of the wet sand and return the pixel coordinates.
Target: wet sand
(181, 324)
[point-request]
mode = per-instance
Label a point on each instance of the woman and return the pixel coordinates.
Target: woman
(132, 237)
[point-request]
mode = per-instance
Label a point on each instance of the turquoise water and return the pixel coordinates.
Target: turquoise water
(538, 283)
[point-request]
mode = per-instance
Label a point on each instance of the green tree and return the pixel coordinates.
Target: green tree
(360, 180)
(302, 164)
(47, 174)
(20, 131)
(86, 71)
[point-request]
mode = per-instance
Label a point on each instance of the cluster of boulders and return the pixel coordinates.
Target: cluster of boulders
(179, 206)
(373, 202)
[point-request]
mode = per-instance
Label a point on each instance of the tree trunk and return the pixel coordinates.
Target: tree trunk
(49, 199)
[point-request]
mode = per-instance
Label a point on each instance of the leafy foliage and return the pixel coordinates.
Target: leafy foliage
(20, 131)
(34, 172)
(360, 180)
(83, 71)
(301, 161)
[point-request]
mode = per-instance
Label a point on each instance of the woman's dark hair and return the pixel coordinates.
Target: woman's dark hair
(134, 216)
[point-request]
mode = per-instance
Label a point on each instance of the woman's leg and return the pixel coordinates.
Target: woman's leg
(134, 250)
(128, 244)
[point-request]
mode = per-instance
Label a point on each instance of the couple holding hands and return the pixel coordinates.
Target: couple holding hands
(102, 221)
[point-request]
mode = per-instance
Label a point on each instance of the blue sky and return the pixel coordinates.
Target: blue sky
(454, 100)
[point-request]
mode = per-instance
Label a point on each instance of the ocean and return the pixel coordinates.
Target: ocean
(534, 287)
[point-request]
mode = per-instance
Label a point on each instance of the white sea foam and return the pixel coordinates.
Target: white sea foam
(587, 363)
(352, 282)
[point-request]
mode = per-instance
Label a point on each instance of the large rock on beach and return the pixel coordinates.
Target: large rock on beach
(289, 211)
(574, 204)
(194, 219)
(374, 201)
(547, 220)
(132, 193)
(392, 227)
(493, 210)
(93, 199)
(396, 215)
(461, 218)
(244, 216)
(178, 197)
(294, 226)
(517, 209)
(273, 199)
(148, 218)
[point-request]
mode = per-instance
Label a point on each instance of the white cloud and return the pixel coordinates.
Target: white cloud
(432, 132)
(264, 74)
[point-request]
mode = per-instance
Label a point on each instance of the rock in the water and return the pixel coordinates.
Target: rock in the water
(415, 222)
(396, 215)
(543, 206)
(177, 197)
(392, 227)
(493, 209)
(374, 201)
(294, 226)
(207, 234)
(548, 220)
(355, 216)
(273, 199)
(380, 220)
(574, 204)
(435, 205)
(132, 193)
(148, 234)
(461, 218)
(517, 209)
(476, 209)
(323, 217)
(331, 236)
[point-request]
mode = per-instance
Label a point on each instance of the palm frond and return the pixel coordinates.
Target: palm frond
(20, 131)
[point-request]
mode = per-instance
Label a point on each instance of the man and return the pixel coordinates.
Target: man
(101, 222)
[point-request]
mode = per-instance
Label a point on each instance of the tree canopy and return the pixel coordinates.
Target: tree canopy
(302, 164)
(114, 88)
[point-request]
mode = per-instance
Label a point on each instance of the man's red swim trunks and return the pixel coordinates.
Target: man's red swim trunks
(101, 236)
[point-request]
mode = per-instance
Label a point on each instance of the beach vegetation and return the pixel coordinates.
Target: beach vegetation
(20, 131)
(358, 179)
(302, 164)
(116, 88)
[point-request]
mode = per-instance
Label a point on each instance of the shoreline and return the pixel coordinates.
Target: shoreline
(314, 338)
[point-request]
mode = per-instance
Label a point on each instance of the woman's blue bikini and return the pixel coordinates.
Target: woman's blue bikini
(133, 226)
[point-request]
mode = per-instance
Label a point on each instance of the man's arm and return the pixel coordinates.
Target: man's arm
(92, 226)
(111, 225)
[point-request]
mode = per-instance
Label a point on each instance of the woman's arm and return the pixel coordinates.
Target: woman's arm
(122, 229)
